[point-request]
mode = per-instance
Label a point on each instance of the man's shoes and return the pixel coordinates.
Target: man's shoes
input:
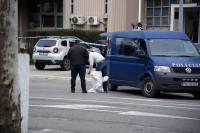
(84, 91)
(72, 91)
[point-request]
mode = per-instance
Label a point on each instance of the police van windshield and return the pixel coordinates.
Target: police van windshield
(46, 43)
(172, 47)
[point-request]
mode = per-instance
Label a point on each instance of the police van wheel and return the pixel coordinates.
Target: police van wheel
(148, 88)
(39, 66)
(196, 95)
(112, 87)
(65, 64)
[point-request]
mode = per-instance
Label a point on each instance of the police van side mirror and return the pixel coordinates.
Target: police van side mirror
(140, 54)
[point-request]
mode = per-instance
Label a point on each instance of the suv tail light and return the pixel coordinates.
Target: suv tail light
(55, 50)
(34, 49)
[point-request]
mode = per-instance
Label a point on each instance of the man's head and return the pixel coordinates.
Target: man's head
(106, 43)
(77, 42)
(88, 52)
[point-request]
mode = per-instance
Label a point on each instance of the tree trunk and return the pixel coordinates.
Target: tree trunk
(10, 115)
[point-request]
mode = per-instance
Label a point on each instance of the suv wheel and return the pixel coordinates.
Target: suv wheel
(39, 66)
(65, 64)
(112, 87)
(196, 95)
(148, 88)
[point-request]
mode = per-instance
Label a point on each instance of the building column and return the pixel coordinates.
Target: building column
(172, 19)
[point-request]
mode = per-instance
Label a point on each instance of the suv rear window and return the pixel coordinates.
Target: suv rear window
(46, 43)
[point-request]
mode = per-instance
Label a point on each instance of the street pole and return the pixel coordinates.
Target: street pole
(180, 21)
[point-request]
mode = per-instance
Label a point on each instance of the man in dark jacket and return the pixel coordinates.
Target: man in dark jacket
(78, 57)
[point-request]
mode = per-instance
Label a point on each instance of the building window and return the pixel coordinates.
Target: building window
(149, 3)
(158, 12)
(59, 21)
(48, 6)
(72, 6)
(106, 6)
(59, 6)
(48, 21)
(34, 21)
(45, 14)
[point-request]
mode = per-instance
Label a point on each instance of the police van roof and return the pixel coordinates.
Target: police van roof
(147, 34)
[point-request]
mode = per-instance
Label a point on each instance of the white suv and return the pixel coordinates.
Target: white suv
(53, 51)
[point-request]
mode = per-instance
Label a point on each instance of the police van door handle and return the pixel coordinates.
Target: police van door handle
(115, 58)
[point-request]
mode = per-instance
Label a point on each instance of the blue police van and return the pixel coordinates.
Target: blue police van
(154, 61)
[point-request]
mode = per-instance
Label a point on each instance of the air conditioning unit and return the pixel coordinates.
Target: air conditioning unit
(77, 20)
(92, 20)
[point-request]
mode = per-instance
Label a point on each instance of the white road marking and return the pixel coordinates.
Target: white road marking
(138, 104)
(98, 109)
(76, 106)
(137, 113)
(153, 100)
(80, 107)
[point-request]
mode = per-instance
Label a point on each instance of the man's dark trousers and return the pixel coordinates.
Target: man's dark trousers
(75, 70)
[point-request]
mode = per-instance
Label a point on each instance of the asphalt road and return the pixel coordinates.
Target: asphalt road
(54, 109)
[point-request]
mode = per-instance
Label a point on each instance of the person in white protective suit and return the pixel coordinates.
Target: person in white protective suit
(101, 66)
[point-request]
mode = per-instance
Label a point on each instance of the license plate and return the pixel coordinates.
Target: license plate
(45, 54)
(189, 83)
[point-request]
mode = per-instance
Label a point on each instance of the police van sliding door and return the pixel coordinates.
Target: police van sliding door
(124, 66)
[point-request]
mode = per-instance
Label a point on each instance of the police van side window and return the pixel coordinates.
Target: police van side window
(125, 47)
(142, 44)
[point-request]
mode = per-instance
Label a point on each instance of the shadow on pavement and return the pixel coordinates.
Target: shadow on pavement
(163, 95)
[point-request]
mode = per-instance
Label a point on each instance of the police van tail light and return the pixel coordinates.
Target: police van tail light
(162, 69)
(55, 50)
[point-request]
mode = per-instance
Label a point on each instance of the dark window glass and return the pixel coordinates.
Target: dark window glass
(35, 6)
(173, 1)
(64, 43)
(46, 43)
(165, 11)
(48, 21)
(60, 6)
(59, 21)
(149, 21)
(149, 11)
(71, 44)
(48, 6)
(156, 21)
(157, 2)
(165, 21)
(157, 11)
(34, 21)
(106, 6)
(125, 47)
(165, 3)
(149, 3)
(72, 8)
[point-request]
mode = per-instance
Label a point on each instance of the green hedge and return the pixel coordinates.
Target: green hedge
(85, 35)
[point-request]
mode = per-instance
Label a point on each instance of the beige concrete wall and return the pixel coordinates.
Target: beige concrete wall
(84, 8)
(117, 15)
(121, 13)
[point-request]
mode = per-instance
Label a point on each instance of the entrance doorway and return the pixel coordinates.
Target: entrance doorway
(192, 25)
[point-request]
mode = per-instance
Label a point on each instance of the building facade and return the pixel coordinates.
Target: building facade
(109, 15)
